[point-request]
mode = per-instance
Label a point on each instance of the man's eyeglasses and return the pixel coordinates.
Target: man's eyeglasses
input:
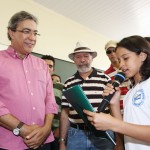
(110, 51)
(28, 32)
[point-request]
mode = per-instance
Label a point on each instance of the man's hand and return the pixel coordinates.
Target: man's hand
(27, 129)
(37, 137)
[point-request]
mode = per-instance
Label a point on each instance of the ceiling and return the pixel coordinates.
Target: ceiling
(114, 19)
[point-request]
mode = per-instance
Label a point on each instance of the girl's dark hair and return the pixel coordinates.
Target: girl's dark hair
(138, 44)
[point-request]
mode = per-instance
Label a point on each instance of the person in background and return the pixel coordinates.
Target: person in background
(73, 130)
(56, 78)
(57, 87)
(133, 54)
(112, 71)
(50, 61)
(27, 102)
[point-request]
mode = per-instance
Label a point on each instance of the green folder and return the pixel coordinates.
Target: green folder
(79, 101)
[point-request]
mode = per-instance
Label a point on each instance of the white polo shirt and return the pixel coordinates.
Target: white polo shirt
(137, 111)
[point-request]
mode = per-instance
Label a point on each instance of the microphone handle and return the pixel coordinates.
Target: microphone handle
(105, 102)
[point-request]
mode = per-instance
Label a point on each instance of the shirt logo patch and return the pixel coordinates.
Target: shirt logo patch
(138, 98)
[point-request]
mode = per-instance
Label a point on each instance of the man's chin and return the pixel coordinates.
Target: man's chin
(84, 70)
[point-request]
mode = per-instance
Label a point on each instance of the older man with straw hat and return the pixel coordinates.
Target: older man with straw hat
(74, 134)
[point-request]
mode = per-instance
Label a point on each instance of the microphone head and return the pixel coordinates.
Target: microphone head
(120, 77)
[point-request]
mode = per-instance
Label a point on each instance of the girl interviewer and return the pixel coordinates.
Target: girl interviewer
(134, 57)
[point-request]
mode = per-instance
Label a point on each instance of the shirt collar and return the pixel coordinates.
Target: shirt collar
(11, 51)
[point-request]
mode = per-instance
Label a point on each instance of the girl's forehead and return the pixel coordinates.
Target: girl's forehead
(122, 50)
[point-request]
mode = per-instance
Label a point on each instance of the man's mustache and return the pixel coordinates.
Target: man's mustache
(82, 64)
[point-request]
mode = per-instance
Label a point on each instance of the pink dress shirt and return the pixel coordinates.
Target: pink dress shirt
(26, 91)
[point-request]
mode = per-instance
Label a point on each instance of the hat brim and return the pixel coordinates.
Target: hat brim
(93, 53)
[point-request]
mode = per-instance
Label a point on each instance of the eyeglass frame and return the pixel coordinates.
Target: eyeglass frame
(110, 51)
(27, 31)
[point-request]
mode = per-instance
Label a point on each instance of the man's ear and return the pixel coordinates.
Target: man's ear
(11, 33)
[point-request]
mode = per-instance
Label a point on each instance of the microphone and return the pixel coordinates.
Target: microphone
(119, 78)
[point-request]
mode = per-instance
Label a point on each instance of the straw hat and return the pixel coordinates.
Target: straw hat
(82, 47)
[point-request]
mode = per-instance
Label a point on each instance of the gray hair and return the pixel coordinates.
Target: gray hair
(17, 18)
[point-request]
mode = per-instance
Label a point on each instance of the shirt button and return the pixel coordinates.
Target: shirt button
(33, 123)
(31, 93)
(33, 108)
(29, 82)
(26, 71)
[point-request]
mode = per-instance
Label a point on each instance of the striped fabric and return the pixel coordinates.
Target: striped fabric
(93, 87)
(112, 71)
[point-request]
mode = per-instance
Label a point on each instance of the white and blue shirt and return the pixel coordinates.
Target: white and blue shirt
(137, 111)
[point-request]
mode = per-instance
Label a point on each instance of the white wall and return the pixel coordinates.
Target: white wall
(58, 33)
(2, 47)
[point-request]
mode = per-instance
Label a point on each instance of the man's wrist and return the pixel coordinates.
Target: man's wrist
(16, 131)
(62, 140)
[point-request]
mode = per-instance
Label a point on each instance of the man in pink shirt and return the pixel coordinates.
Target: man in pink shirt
(27, 103)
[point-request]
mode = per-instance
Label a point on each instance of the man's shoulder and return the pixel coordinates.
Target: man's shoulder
(102, 74)
(2, 53)
(72, 81)
(70, 78)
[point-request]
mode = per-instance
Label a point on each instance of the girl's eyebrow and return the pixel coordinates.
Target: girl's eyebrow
(124, 55)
